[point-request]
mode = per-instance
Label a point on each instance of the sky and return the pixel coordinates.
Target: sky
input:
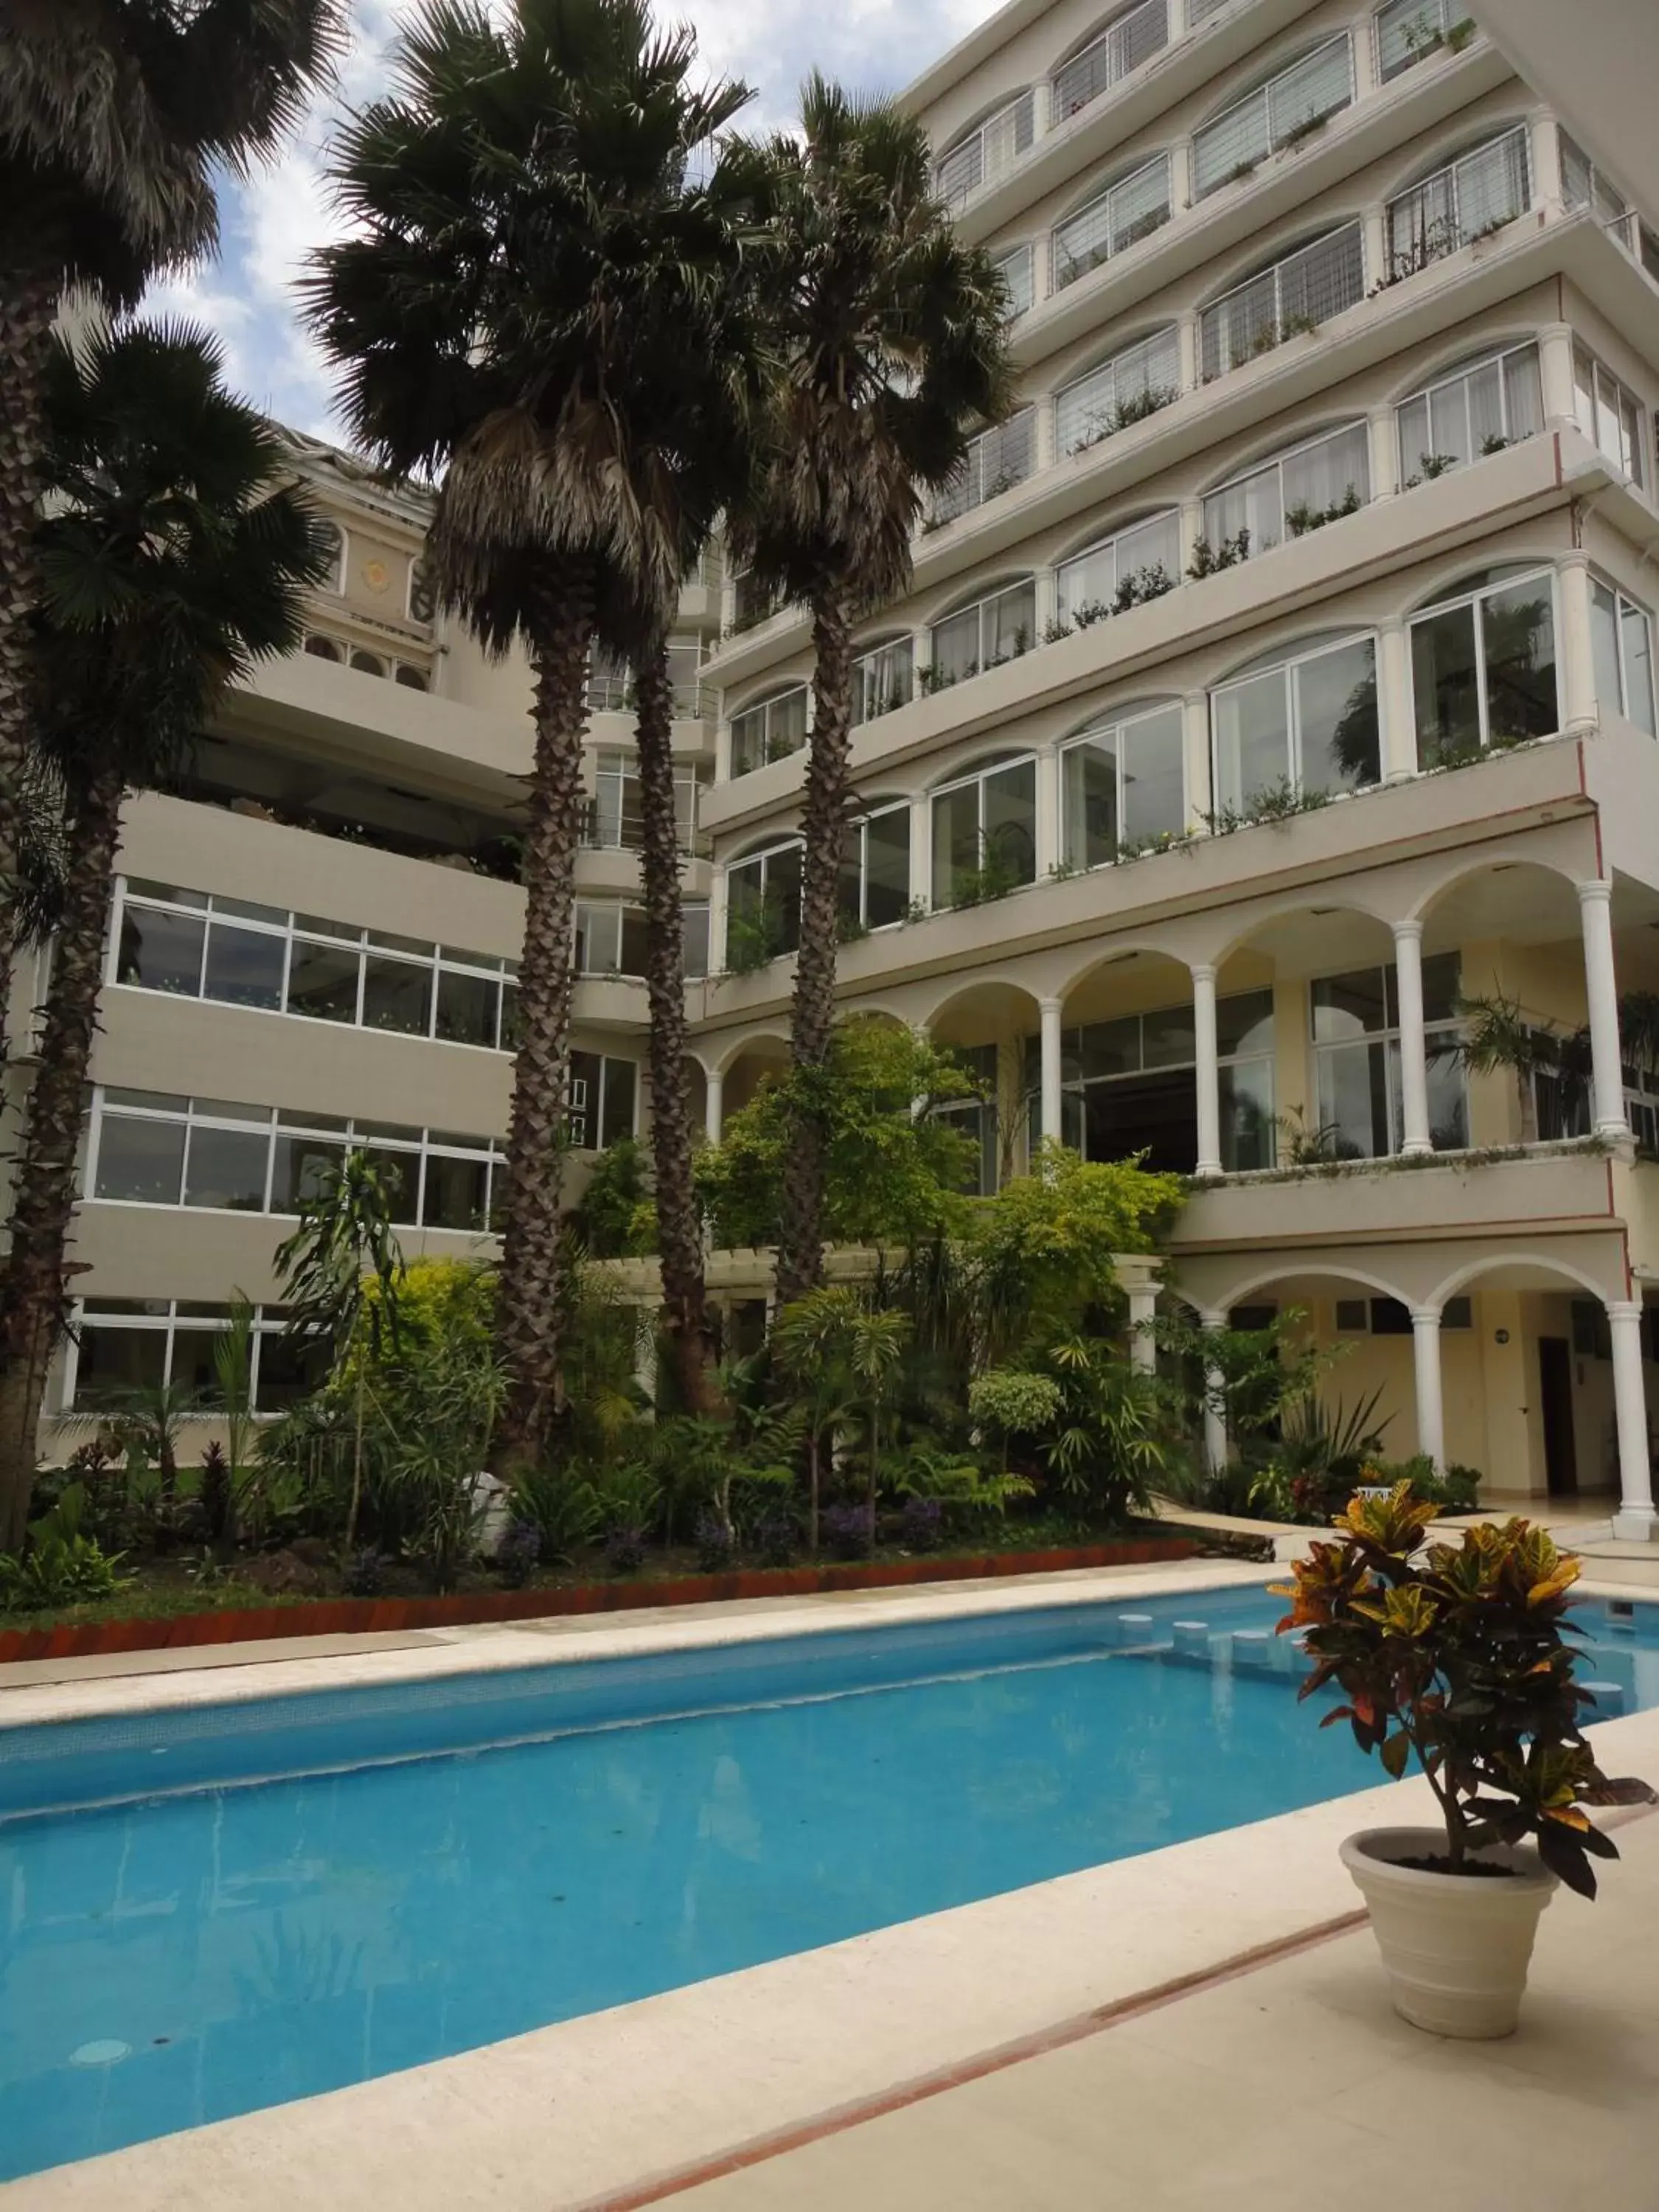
(270, 223)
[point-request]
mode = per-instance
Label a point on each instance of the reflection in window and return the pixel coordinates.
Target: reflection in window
(985, 834)
(763, 907)
(120, 1345)
(1609, 413)
(993, 629)
(1307, 726)
(770, 731)
(1356, 1038)
(1131, 1085)
(1123, 787)
(1483, 670)
(1621, 634)
(875, 870)
(1475, 409)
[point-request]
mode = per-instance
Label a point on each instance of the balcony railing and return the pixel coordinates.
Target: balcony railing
(1467, 199)
(1105, 61)
(1637, 241)
(1280, 113)
(989, 152)
(612, 694)
(1409, 31)
(997, 460)
(1298, 294)
(1129, 210)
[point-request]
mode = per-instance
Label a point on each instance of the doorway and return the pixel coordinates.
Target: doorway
(1555, 1404)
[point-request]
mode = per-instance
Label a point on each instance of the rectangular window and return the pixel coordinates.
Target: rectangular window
(227, 1169)
(985, 834)
(1483, 670)
(978, 1118)
(1298, 294)
(160, 951)
(694, 933)
(1281, 112)
(140, 1161)
(1583, 184)
(1309, 725)
(875, 869)
(120, 1347)
(1476, 410)
(397, 996)
(468, 1007)
(763, 907)
(1356, 1038)
(1609, 414)
(1017, 271)
(599, 1102)
(1133, 1079)
(1621, 634)
(1132, 385)
(1123, 787)
(769, 732)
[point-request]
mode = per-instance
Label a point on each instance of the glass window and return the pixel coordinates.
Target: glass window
(763, 908)
(1293, 492)
(1297, 293)
(1469, 198)
(1622, 635)
(397, 995)
(455, 1193)
(400, 1176)
(882, 679)
(287, 1369)
(112, 1361)
(1308, 726)
(1132, 385)
(244, 966)
(1279, 113)
(1107, 59)
(996, 460)
(1132, 1078)
(227, 1169)
(322, 981)
(1476, 409)
(298, 1165)
(468, 1007)
(874, 887)
(617, 1113)
(769, 732)
(985, 834)
(1356, 1036)
(1140, 562)
(1609, 413)
(1483, 670)
(1408, 31)
(993, 629)
(1016, 271)
(1122, 787)
(1117, 218)
(988, 152)
(160, 951)
(140, 1161)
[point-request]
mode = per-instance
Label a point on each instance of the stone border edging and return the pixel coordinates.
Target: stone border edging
(371, 1615)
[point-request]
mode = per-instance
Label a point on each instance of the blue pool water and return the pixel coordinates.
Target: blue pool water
(205, 1913)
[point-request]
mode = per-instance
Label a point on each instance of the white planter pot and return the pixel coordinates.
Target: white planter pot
(1455, 1947)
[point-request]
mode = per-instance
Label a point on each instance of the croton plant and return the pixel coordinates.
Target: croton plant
(1460, 1653)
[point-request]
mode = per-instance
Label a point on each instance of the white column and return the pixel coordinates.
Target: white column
(1046, 594)
(723, 751)
(1215, 1412)
(1635, 1521)
(1602, 990)
(1047, 823)
(1195, 758)
(1580, 715)
(1413, 1053)
(1050, 1010)
(1555, 372)
(1186, 343)
(718, 897)
(1181, 162)
(1374, 235)
(1430, 1414)
(714, 1105)
(1396, 728)
(1207, 1074)
(1191, 528)
(1143, 1311)
(921, 850)
(1545, 148)
(1384, 453)
(1046, 422)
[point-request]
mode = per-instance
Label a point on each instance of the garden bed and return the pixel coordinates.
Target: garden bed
(349, 1616)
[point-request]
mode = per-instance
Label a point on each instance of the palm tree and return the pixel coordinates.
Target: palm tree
(527, 274)
(1496, 1033)
(114, 114)
(172, 558)
(891, 334)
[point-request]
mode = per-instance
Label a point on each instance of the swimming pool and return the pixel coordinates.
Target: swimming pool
(206, 1910)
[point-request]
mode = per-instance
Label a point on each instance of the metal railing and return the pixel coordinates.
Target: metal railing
(988, 153)
(997, 460)
(1297, 293)
(1127, 211)
(1278, 113)
(1409, 31)
(1105, 61)
(611, 693)
(1138, 381)
(1467, 199)
(1637, 241)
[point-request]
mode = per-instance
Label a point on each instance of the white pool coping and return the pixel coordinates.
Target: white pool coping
(570, 2115)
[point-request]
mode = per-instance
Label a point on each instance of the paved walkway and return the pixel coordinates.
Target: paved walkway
(1292, 2087)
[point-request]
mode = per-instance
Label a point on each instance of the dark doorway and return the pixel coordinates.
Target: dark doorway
(1555, 1378)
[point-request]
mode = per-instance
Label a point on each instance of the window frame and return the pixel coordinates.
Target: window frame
(859, 828)
(793, 843)
(1475, 597)
(1624, 608)
(905, 641)
(1462, 373)
(1352, 231)
(1641, 474)
(1423, 254)
(1066, 268)
(979, 608)
(1287, 667)
(975, 779)
(1117, 367)
(1274, 139)
(1122, 63)
(766, 706)
(1387, 1039)
(1123, 727)
(1274, 464)
(1067, 610)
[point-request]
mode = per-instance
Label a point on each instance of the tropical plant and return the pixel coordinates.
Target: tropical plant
(1105, 1451)
(344, 1241)
(171, 561)
(875, 1354)
(617, 1215)
(1495, 1034)
(233, 1372)
(810, 1345)
(523, 287)
(113, 115)
(215, 1492)
(561, 1506)
(63, 1564)
(1459, 1654)
(1012, 1401)
(433, 1415)
(893, 350)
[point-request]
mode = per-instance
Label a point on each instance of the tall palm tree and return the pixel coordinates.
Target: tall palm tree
(114, 115)
(173, 557)
(891, 333)
(524, 273)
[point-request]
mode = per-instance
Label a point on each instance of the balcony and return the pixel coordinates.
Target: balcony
(1107, 60)
(997, 460)
(1285, 110)
(1299, 292)
(1469, 199)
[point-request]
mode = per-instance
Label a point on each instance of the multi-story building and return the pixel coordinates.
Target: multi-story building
(1278, 678)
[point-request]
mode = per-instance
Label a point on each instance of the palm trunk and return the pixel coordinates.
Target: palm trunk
(28, 301)
(679, 1228)
(527, 1299)
(823, 822)
(33, 1289)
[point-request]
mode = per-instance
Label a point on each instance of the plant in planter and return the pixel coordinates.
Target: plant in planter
(1458, 1654)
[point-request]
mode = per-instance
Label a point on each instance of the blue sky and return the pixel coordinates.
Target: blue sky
(270, 223)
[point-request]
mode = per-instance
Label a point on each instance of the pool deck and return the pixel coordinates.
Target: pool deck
(1197, 2026)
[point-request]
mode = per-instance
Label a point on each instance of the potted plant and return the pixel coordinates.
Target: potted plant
(1458, 1653)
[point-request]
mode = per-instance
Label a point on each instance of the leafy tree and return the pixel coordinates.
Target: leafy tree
(894, 1170)
(1496, 1033)
(343, 1242)
(172, 560)
(875, 1358)
(891, 334)
(616, 1217)
(113, 115)
(525, 279)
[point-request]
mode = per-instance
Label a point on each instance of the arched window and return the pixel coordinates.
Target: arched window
(763, 906)
(1139, 562)
(1301, 723)
(985, 831)
(1483, 666)
(1284, 109)
(1409, 31)
(1122, 786)
(988, 151)
(982, 635)
(412, 678)
(875, 868)
(995, 462)
(1477, 193)
(1123, 211)
(770, 730)
(1108, 56)
(1134, 383)
(368, 664)
(884, 677)
(325, 648)
(1479, 407)
(1297, 293)
(1289, 493)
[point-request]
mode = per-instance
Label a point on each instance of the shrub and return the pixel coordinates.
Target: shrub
(61, 1565)
(214, 1492)
(519, 1553)
(564, 1509)
(920, 1524)
(1459, 1654)
(365, 1573)
(624, 1548)
(777, 1535)
(847, 1528)
(716, 1544)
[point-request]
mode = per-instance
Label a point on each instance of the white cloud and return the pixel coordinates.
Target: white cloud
(271, 223)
